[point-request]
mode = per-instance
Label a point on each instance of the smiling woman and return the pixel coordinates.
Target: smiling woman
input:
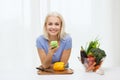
(54, 31)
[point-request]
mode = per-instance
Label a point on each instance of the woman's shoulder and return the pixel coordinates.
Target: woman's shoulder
(40, 38)
(67, 37)
(41, 41)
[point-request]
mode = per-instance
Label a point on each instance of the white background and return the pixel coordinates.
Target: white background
(21, 22)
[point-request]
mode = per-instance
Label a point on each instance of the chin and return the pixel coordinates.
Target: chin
(53, 34)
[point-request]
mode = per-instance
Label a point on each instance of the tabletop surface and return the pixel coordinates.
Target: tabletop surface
(79, 74)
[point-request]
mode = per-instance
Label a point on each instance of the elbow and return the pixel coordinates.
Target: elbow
(45, 66)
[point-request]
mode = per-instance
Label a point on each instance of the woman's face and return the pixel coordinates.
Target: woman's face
(53, 26)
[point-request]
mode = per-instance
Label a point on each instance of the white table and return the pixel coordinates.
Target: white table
(79, 74)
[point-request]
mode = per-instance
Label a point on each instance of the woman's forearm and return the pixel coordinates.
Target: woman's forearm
(48, 60)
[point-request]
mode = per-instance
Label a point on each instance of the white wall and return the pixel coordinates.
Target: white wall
(11, 34)
(88, 19)
(116, 31)
(19, 27)
(21, 22)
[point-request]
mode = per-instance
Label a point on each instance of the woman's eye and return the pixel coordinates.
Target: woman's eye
(50, 24)
(56, 24)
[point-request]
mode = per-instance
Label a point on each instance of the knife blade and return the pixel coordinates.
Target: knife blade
(43, 69)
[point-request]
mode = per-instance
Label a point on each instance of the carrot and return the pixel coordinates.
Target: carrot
(91, 67)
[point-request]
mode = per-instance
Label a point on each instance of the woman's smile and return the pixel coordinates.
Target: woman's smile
(53, 26)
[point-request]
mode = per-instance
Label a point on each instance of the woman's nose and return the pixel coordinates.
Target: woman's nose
(53, 26)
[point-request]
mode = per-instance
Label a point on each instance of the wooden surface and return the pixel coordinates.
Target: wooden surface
(49, 72)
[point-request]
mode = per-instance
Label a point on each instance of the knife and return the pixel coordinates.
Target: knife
(43, 69)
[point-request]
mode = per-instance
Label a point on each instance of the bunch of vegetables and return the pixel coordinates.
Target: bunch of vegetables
(92, 56)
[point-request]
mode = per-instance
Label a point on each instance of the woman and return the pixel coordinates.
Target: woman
(54, 31)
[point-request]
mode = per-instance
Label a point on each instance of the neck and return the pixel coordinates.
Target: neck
(53, 38)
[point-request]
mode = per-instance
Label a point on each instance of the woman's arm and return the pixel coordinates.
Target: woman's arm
(46, 59)
(65, 56)
(67, 50)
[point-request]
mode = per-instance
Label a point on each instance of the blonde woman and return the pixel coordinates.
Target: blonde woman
(54, 30)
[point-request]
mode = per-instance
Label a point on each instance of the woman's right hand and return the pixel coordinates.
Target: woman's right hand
(52, 50)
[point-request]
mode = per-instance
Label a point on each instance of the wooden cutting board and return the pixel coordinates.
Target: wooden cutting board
(66, 71)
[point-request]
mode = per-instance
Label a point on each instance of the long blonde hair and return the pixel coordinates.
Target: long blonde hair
(62, 32)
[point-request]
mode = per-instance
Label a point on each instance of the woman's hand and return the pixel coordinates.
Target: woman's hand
(52, 50)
